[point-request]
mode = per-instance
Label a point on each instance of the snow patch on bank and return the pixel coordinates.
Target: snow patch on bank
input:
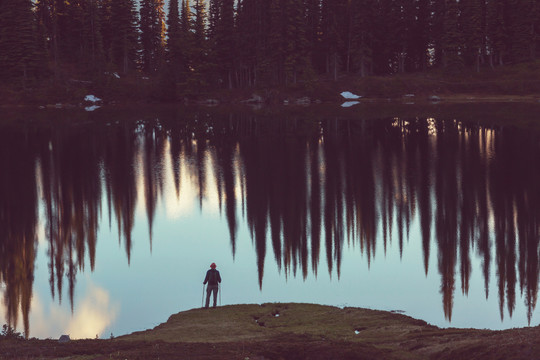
(92, 98)
(349, 95)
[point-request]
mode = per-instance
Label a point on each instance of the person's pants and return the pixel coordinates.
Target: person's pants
(209, 290)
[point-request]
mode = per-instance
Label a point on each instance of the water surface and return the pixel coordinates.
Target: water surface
(109, 220)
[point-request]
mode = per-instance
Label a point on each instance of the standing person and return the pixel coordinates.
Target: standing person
(213, 279)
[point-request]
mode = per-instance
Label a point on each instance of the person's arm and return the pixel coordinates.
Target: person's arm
(205, 279)
(218, 277)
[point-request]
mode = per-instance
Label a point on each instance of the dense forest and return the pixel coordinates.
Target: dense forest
(247, 43)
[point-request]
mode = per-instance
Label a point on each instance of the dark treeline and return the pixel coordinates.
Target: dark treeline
(308, 190)
(247, 43)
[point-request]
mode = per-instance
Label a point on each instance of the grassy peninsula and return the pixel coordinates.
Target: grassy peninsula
(289, 331)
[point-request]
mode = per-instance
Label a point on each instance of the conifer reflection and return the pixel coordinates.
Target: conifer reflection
(309, 189)
(18, 222)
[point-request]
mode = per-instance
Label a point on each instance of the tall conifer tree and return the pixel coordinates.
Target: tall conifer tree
(199, 60)
(120, 36)
(496, 31)
(152, 29)
(222, 38)
(333, 34)
(473, 31)
(19, 51)
(362, 36)
(297, 61)
(452, 39)
(174, 39)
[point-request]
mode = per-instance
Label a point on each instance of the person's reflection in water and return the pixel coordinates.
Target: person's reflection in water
(213, 279)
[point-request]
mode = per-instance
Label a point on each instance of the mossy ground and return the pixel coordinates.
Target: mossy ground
(290, 331)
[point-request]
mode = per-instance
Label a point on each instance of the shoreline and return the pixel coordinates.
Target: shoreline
(294, 101)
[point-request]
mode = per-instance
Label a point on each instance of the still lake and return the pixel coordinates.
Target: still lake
(109, 219)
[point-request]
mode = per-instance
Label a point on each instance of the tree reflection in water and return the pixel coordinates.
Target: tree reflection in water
(304, 184)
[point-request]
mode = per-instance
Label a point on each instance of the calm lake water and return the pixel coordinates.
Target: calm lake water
(110, 219)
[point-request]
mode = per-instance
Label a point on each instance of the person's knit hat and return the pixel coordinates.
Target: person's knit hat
(213, 265)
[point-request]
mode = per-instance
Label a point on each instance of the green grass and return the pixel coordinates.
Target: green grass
(257, 322)
(377, 332)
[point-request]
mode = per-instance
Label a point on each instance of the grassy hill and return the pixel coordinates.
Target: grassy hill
(290, 331)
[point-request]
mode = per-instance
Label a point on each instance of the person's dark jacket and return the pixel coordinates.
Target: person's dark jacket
(212, 277)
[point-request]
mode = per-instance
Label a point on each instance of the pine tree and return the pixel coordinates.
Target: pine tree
(249, 40)
(385, 36)
(452, 38)
(437, 31)
(199, 61)
(333, 34)
(496, 31)
(313, 28)
(519, 25)
(535, 28)
(419, 37)
(473, 31)
(152, 28)
(362, 37)
(120, 34)
(221, 38)
(403, 49)
(46, 34)
(92, 55)
(214, 15)
(272, 66)
(174, 39)
(19, 50)
(297, 61)
(186, 36)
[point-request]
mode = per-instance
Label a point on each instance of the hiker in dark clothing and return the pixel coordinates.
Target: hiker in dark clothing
(213, 279)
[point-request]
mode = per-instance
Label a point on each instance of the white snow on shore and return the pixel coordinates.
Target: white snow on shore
(92, 98)
(350, 96)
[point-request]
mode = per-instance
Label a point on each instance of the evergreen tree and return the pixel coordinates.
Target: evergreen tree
(253, 41)
(199, 64)
(46, 33)
(437, 31)
(313, 29)
(247, 22)
(272, 66)
(19, 50)
(92, 55)
(186, 37)
(519, 25)
(333, 34)
(362, 37)
(222, 40)
(386, 36)
(419, 40)
(174, 39)
(297, 61)
(452, 38)
(152, 29)
(120, 37)
(535, 28)
(214, 15)
(496, 31)
(473, 29)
